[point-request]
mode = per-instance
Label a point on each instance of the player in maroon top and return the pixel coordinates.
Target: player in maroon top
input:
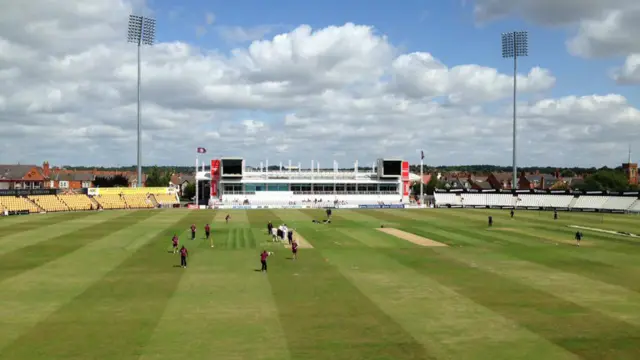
(183, 256)
(207, 231)
(193, 231)
(263, 259)
(294, 249)
(227, 218)
(175, 243)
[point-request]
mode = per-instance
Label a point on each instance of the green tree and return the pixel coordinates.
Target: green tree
(158, 177)
(567, 173)
(189, 191)
(111, 181)
(606, 179)
(432, 185)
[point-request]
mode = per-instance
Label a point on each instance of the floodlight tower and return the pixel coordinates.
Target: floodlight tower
(142, 31)
(515, 44)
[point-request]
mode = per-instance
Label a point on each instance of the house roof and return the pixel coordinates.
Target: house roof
(15, 172)
(178, 179)
(483, 184)
(72, 176)
(503, 176)
(539, 177)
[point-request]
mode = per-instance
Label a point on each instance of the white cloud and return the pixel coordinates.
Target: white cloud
(629, 73)
(69, 96)
(604, 28)
(420, 74)
(239, 34)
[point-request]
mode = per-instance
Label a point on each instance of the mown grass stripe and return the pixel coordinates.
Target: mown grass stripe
(582, 331)
(29, 257)
(528, 247)
(244, 238)
(34, 236)
(451, 325)
(115, 317)
(40, 221)
(478, 217)
(349, 325)
(228, 310)
(252, 236)
(31, 296)
(614, 301)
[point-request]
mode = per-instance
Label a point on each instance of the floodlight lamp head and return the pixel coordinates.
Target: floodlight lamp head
(135, 29)
(148, 31)
(515, 44)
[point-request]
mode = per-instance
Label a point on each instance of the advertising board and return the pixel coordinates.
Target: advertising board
(25, 192)
(378, 206)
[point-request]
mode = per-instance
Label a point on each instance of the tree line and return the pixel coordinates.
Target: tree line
(156, 177)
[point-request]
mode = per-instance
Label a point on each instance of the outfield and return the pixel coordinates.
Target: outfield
(103, 286)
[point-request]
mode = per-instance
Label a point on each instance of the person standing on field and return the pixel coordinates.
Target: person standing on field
(183, 256)
(294, 249)
(174, 241)
(263, 260)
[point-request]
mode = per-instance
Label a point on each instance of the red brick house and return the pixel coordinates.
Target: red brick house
(14, 177)
(500, 181)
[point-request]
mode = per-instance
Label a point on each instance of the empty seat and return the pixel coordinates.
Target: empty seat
(444, 199)
(137, 201)
(15, 203)
(49, 203)
(76, 202)
(166, 199)
(111, 201)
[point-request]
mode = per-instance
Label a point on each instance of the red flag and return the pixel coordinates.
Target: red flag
(202, 150)
(421, 155)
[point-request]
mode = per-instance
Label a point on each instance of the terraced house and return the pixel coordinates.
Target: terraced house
(17, 177)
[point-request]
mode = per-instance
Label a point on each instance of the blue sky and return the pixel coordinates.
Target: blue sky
(447, 29)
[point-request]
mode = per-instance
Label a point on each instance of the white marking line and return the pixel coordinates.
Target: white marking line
(604, 231)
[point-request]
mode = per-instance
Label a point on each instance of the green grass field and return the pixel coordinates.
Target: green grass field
(105, 286)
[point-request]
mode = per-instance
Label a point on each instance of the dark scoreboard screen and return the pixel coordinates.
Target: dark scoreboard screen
(392, 168)
(231, 167)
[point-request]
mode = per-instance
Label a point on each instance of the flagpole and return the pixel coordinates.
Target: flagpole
(196, 181)
(421, 177)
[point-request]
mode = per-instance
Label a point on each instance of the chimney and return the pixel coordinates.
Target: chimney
(537, 172)
(557, 174)
(46, 171)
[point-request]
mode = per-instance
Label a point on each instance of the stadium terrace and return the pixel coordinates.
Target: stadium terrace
(231, 182)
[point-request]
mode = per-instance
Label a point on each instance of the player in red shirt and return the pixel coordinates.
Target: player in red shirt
(207, 230)
(294, 249)
(183, 256)
(263, 260)
(193, 231)
(227, 218)
(174, 241)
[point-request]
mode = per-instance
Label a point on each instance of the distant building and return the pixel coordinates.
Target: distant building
(16, 177)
